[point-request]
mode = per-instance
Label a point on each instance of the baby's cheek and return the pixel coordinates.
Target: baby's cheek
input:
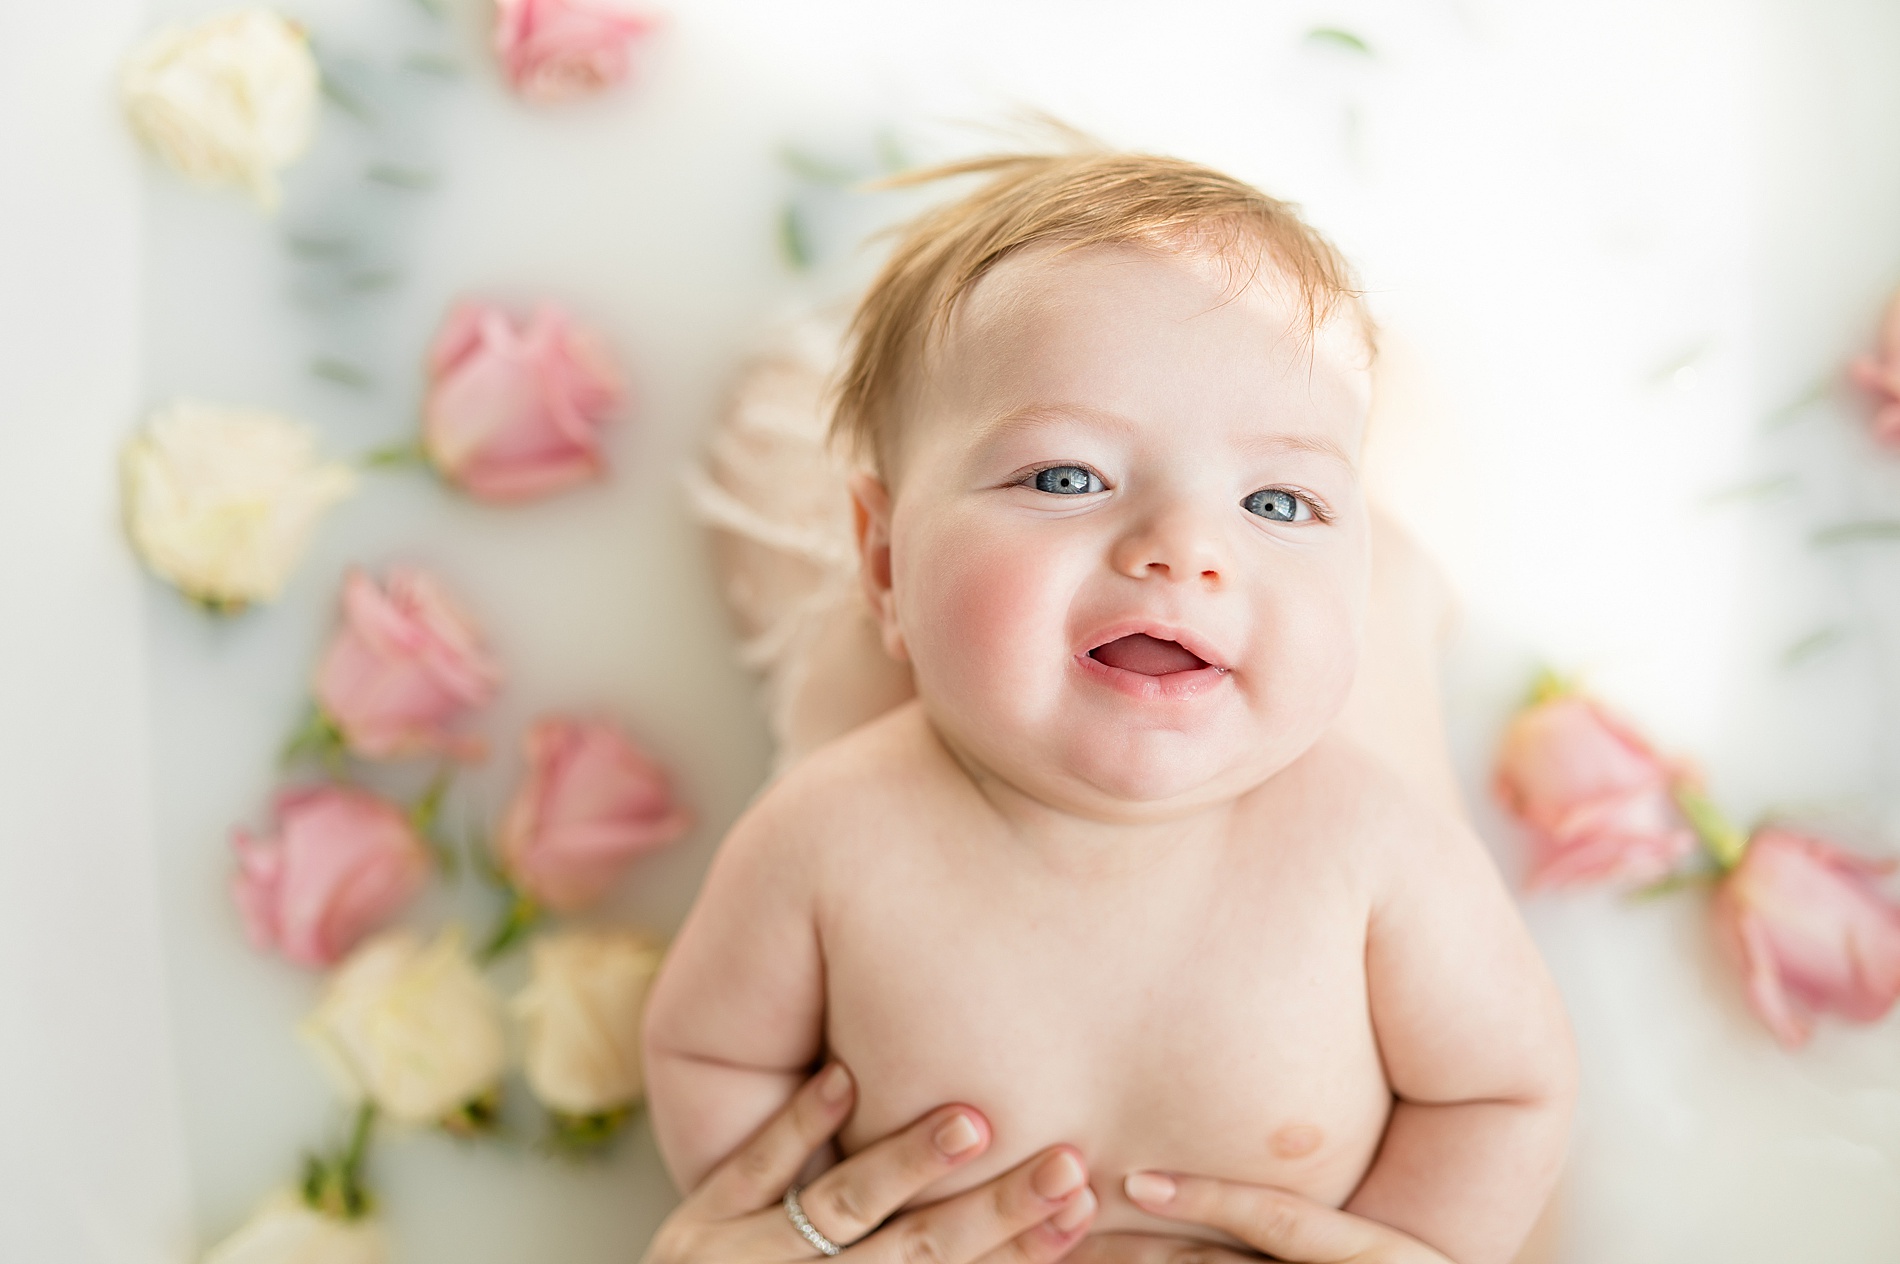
(984, 614)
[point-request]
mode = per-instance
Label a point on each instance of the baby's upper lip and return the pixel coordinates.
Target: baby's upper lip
(1186, 638)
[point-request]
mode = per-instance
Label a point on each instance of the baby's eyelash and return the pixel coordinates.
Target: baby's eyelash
(1027, 478)
(1322, 512)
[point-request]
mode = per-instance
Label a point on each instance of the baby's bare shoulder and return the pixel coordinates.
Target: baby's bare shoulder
(1349, 801)
(860, 786)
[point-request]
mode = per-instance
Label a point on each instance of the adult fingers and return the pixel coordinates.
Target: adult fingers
(1276, 1221)
(1030, 1214)
(854, 1197)
(1142, 1248)
(757, 1173)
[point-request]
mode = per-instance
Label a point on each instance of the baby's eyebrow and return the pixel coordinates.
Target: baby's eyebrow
(1319, 445)
(1035, 416)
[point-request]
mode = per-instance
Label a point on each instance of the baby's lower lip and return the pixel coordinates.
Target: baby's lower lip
(1171, 686)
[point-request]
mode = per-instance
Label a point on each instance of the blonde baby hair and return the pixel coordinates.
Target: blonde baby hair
(1076, 200)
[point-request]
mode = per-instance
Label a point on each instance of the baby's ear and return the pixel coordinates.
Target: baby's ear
(871, 513)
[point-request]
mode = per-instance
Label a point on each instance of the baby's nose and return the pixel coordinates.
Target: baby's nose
(1176, 546)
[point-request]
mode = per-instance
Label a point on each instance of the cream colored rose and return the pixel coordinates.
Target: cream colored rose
(285, 1230)
(412, 1027)
(231, 100)
(581, 1013)
(221, 501)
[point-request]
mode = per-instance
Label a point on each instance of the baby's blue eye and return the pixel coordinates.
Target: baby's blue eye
(1067, 480)
(1277, 506)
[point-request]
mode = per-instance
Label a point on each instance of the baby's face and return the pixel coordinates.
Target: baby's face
(1127, 546)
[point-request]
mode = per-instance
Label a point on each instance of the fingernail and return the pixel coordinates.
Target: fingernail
(1074, 1212)
(1149, 1188)
(1059, 1174)
(834, 1083)
(958, 1136)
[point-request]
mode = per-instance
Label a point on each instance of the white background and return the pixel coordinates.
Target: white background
(1610, 242)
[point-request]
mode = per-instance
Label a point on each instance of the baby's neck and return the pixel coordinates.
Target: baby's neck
(1082, 843)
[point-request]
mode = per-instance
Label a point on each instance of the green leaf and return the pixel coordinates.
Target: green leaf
(342, 372)
(807, 166)
(1795, 408)
(1334, 37)
(439, 65)
(792, 242)
(1760, 489)
(397, 176)
(369, 280)
(1813, 645)
(346, 100)
(318, 247)
(1856, 532)
(395, 456)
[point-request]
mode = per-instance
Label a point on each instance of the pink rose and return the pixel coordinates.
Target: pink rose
(514, 412)
(1879, 376)
(341, 863)
(555, 50)
(404, 668)
(590, 803)
(1811, 931)
(1598, 802)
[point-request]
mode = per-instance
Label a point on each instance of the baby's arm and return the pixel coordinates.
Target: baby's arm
(736, 1020)
(1477, 1050)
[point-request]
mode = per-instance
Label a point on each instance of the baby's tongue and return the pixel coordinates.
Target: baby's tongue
(1146, 654)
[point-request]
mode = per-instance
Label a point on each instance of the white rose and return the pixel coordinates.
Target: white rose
(221, 501)
(287, 1231)
(581, 1012)
(232, 100)
(413, 1028)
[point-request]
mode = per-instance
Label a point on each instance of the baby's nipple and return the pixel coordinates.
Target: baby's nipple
(1295, 1141)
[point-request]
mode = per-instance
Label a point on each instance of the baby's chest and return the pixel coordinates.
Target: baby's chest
(1234, 1040)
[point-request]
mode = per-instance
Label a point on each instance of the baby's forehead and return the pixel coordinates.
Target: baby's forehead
(1121, 309)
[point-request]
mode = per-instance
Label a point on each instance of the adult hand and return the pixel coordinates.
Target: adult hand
(1031, 1214)
(1278, 1223)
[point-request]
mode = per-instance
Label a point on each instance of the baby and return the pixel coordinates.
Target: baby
(1116, 877)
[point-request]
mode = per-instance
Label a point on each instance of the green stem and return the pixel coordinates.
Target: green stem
(351, 1168)
(426, 815)
(395, 456)
(1724, 843)
(1548, 687)
(522, 916)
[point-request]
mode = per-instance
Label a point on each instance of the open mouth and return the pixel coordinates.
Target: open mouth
(1147, 655)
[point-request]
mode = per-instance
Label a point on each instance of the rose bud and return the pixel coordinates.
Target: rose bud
(229, 100)
(1597, 801)
(287, 1230)
(341, 863)
(581, 1017)
(556, 50)
(589, 803)
(414, 1029)
(1879, 376)
(221, 502)
(403, 670)
(1811, 931)
(514, 411)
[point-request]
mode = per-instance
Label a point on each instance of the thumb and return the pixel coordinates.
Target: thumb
(1276, 1221)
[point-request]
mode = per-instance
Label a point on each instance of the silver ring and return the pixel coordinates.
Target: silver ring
(824, 1245)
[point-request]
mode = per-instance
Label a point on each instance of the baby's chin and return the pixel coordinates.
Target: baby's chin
(1133, 776)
